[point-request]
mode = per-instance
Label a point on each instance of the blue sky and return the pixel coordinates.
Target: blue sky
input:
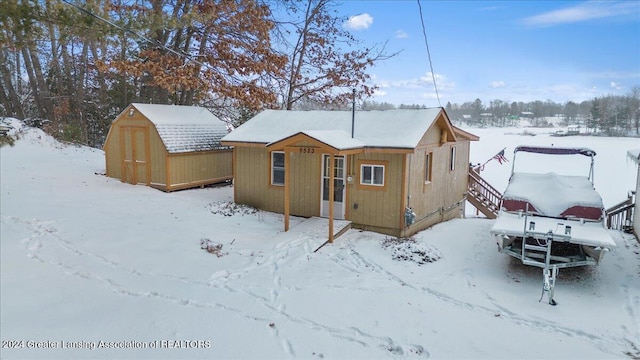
(508, 50)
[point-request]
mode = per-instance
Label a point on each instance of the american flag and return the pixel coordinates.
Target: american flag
(500, 157)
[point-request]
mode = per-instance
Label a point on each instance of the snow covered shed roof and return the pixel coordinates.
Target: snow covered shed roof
(185, 128)
(384, 129)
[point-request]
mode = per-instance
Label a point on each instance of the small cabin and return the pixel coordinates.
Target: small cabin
(168, 147)
(395, 172)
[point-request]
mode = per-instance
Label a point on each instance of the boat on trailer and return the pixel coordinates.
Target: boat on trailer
(552, 221)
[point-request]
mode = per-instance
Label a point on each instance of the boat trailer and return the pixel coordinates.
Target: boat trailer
(535, 250)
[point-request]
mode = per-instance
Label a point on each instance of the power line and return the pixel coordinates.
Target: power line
(152, 42)
(426, 42)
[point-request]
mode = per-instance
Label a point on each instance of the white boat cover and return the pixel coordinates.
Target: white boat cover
(551, 194)
(590, 233)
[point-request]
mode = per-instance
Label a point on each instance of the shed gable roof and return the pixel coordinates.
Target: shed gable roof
(384, 129)
(185, 128)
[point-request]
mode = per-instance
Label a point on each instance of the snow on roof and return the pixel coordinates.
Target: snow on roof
(551, 194)
(185, 128)
(389, 128)
(337, 139)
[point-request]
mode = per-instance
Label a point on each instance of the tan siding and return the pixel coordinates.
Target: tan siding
(158, 155)
(446, 187)
(112, 150)
(246, 176)
(431, 137)
(380, 208)
(305, 184)
(252, 180)
(199, 168)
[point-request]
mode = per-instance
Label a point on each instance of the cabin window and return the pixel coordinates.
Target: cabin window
(428, 158)
(372, 175)
(277, 168)
(452, 163)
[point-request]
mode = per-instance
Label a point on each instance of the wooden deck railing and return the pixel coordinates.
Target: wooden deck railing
(620, 216)
(482, 195)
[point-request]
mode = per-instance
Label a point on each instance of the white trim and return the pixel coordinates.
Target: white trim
(373, 175)
(339, 209)
(452, 159)
(273, 168)
(428, 166)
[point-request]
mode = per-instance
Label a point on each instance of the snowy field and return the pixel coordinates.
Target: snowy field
(94, 268)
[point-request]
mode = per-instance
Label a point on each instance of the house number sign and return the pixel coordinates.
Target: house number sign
(307, 150)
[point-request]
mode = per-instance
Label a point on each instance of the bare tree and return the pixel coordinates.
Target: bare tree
(325, 61)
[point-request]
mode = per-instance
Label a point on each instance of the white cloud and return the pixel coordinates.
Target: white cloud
(400, 34)
(441, 81)
(359, 22)
(379, 93)
(583, 12)
(614, 85)
(497, 84)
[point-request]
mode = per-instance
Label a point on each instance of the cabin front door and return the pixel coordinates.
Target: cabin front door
(134, 155)
(338, 186)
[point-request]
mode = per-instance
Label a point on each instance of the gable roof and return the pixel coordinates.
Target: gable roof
(461, 134)
(380, 129)
(337, 139)
(185, 128)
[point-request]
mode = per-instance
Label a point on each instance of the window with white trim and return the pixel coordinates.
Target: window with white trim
(428, 158)
(372, 175)
(452, 164)
(277, 168)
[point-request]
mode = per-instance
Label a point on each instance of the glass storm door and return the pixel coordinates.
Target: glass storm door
(338, 186)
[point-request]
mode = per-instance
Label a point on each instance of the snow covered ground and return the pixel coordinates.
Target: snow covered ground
(94, 268)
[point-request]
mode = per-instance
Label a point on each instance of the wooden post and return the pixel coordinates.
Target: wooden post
(331, 193)
(286, 190)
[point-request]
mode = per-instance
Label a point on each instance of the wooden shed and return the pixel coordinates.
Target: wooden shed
(394, 172)
(168, 147)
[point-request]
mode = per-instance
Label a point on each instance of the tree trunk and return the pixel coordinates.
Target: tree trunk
(10, 99)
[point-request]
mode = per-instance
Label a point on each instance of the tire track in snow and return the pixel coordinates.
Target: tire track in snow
(45, 228)
(287, 250)
(632, 307)
(284, 251)
(602, 341)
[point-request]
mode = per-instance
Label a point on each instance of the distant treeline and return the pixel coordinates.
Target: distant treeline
(612, 115)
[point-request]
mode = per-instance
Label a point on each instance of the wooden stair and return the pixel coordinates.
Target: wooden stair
(482, 195)
(620, 216)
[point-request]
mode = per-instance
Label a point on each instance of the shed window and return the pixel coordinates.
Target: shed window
(452, 163)
(372, 175)
(277, 168)
(428, 158)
